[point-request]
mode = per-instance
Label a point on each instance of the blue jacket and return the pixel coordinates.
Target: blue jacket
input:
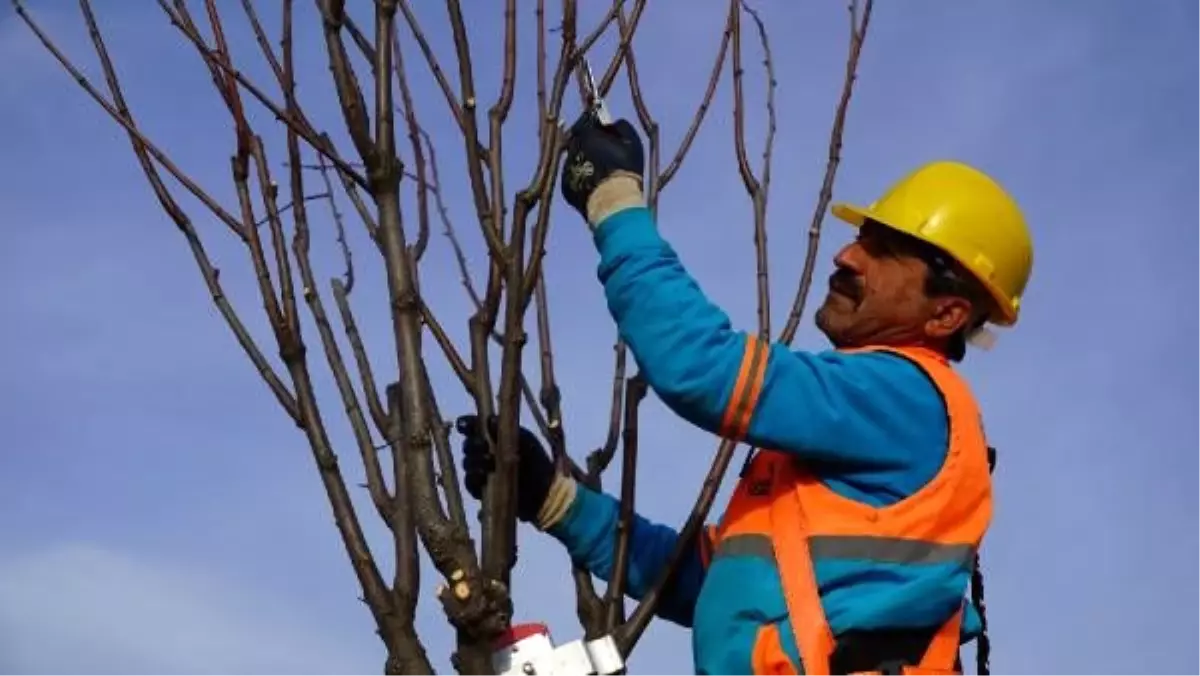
(871, 425)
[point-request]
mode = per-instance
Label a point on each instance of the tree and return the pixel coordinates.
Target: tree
(420, 502)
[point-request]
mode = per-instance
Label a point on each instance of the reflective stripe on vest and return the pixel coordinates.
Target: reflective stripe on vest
(780, 512)
(884, 550)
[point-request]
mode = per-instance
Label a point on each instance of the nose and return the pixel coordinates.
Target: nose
(850, 258)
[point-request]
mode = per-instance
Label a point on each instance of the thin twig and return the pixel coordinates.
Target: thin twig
(599, 460)
(858, 34)
(701, 111)
(438, 73)
(339, 225)
(756, 187)
(287, 207)
(624, 45)
(362, 362)
(635, 391)
(120, 112)
(299, 125)
(414, 138)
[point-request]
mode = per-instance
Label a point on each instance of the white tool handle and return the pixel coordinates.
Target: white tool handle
(527, 649)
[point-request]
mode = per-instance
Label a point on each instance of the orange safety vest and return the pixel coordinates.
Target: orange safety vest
(782, 506)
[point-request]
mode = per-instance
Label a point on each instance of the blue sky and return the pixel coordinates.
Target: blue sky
(161, 515)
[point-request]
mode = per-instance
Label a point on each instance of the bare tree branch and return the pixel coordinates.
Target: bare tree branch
(443, 339)
(303, 408)
(701, 111)
(756, 188)
(300, 126)
(635, 391)
(408, 570)
(410, 119)
(288, 206)
(120, 112)
(858, 33)
(439, 74)
(624, 45)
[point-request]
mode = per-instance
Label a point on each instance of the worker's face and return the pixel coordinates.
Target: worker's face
(878, 294)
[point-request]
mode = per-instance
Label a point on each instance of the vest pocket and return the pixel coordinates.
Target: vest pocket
(768, 656)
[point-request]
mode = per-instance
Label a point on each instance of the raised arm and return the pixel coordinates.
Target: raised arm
(858, 411)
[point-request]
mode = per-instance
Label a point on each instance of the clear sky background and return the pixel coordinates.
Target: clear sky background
(160, 514)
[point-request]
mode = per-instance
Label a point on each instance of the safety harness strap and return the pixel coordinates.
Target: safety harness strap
(789, 529)
(942, 652)
(815, 641)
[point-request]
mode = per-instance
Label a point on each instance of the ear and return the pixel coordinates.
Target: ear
(948, 315)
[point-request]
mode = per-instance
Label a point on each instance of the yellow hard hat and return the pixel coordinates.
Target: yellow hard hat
(965, 213)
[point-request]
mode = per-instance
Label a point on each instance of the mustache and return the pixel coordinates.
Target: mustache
(846, 283)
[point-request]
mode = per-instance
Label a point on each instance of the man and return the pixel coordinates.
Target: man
(850, 538)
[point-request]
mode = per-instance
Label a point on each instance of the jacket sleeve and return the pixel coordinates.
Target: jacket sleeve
(855, 411)
(589, 532)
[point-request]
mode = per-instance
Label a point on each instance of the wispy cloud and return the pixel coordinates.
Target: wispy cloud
(83, 608)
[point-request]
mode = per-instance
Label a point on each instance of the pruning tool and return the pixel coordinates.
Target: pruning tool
(595, 102)
(527, 650)
(594, 105)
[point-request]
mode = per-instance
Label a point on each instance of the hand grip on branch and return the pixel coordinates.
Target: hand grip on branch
(535, 472)
(597, 154)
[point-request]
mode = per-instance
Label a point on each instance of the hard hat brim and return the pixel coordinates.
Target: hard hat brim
(856, 216)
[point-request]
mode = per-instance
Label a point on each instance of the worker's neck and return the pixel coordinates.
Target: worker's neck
(935, 346)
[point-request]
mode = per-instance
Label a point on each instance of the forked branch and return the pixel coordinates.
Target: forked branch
(277, 296)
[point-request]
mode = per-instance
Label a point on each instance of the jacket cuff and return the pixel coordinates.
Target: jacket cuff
(620, 191)
(558, 502)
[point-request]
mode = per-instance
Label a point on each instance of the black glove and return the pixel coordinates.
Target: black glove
(535, 469)
(594, 153)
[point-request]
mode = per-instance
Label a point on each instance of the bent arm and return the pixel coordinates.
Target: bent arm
(588, 529)
(860, 411)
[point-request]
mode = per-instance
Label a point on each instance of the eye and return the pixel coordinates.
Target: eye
(877, 246)
(879, 241)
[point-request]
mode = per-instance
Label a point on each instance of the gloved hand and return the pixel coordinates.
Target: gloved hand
(595, 154)
(535, 469)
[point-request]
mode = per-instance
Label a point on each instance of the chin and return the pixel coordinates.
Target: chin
(822, 320)
(826, 320)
